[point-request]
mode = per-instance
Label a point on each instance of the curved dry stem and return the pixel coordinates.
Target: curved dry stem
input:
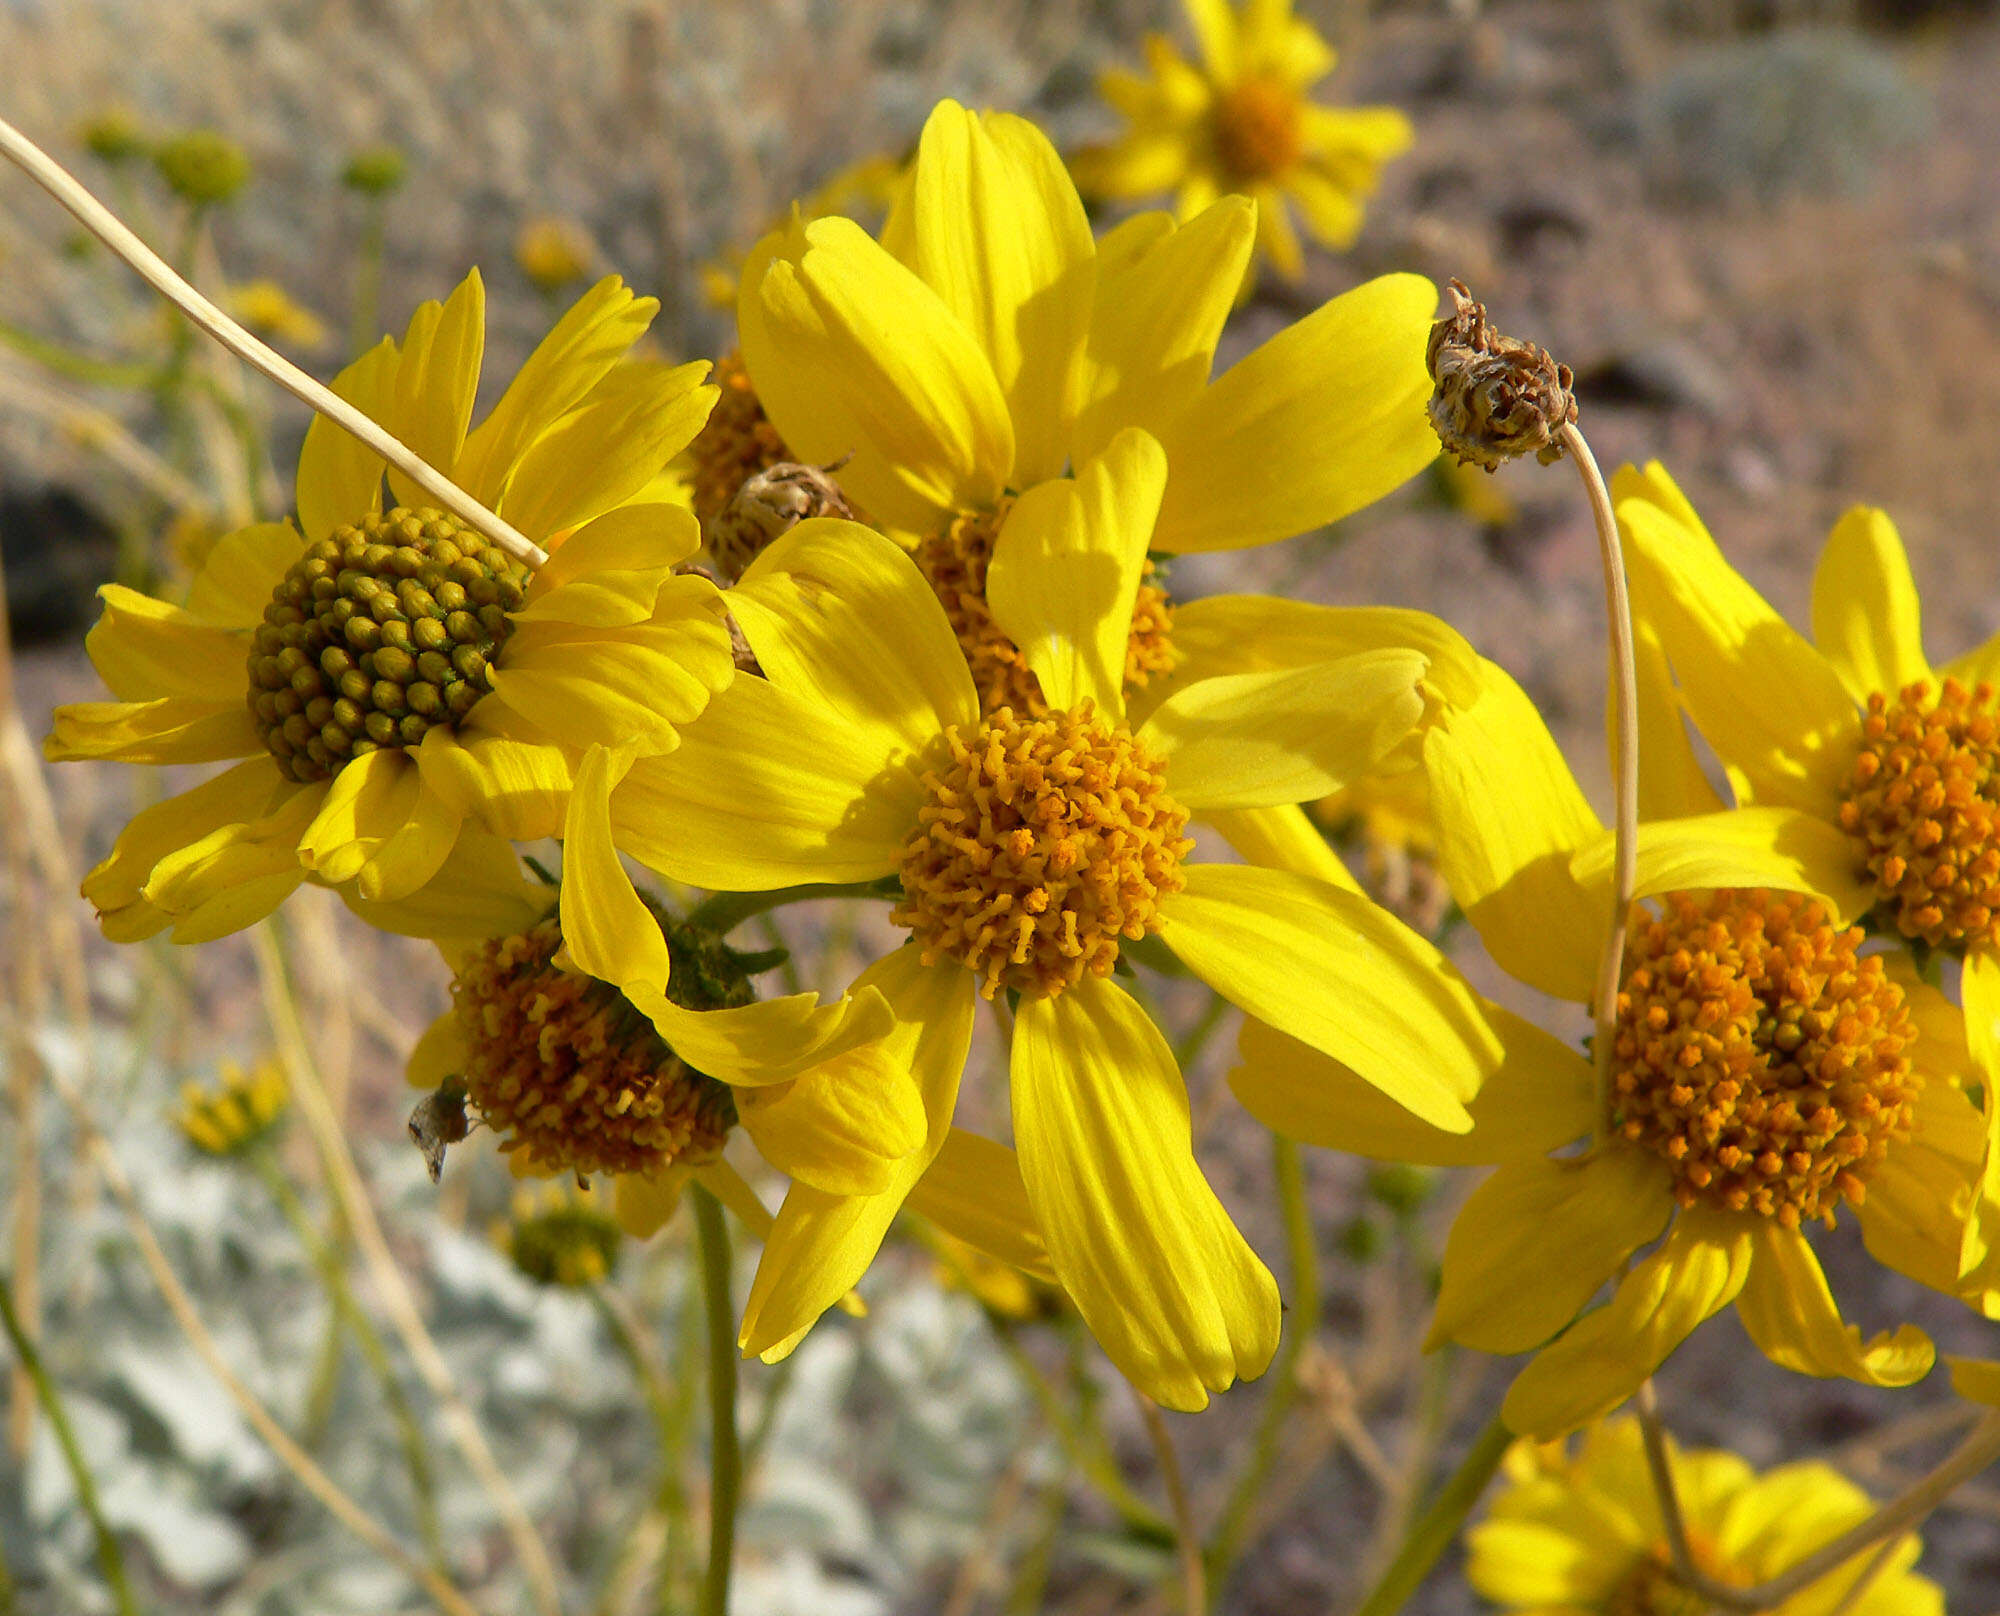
(352, 1196)
(102, 223)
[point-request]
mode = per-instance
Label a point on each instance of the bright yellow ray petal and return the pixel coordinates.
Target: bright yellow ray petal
(480, 892)
(843, 1127)
(768, 790)
(1171, 1290)
(839, 615)
(823, 1243)
(610, 571)
(608, 932)
(582, 686)
(1259, 740)
(1771, 706)
(1866, 618)
(440, 1052)
(340, 479)
(437, 376)
(1160, 311)
(235, 582)
(513, 787)
(1547, 1569)
(1216, 33)
(644, 1203)
(997, 230)
(974, 1192)
(1541, 1095)
(242, 795)
(1065, 571)
(371, 798)
(1340, 974)
(1285, 839)
(1790, 1313)
(1780, 848)
(412, 853)
(1695, 1273)
(144, 649)
(853, 354)
(1510, 871)
(1671, 782)
(1534, 1242)
(1324, 418)
(173, 729)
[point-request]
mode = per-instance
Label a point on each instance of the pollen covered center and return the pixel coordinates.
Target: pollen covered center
(1259, 129)
(572, 1076)
(954, 562)
(374, 634)
(1759, 1057)
(1923, 807)
(1043, 842)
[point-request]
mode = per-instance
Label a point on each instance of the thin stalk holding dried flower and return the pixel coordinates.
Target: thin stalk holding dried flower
(725, 1463)
(154, 270)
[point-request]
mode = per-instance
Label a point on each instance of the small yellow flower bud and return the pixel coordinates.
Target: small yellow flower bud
(236, 1113)
(375, 171)
(113, 135)
(553, 252)
(203, 167)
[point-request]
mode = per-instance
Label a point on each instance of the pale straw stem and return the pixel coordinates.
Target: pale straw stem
(392, 1289)
(99, 220)
(1624, 762)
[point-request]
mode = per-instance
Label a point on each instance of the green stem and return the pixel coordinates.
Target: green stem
(108, 1554)
(674, 1554)
(1433, 1530)
(725, 1462)
(364, 319)
(1302, 1250)
(727, 910)
(326, 1260)
(1189, 1049)
(76, 367)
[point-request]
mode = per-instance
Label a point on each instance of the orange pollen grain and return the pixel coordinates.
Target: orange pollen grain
(571, 1075)
(1923, 807)
(737, 442)
(954, 562)
(1762, 1060)
(1259, 130)
(1044, 841)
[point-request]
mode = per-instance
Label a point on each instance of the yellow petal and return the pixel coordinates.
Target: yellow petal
(1671, 782)
(1695, 1273)
(173, 729)
(1510, 872)
(236, 581)
(1258, 740)
(608, 932)
(772, 1041)
(1540, 1096)
(1324, 418)
(1780, 848)
(839, 614)
(769, 790)
(245, 794)
(513, 787)
(1340, 974)
(441, 1052)
(1771, 706)
(1977, 1380)
(481, 891)
(974, 1192)
(823, 1243)
(607, 449)
(1171, 1290)
(437, 376)
(729, 1187)
(145, 649)
(610, 571)
(577, 354)
(644, 1202)
(1065, 572)
(1215, 31)
(1284, 838)
(414, 851)
(1159, 313)
(1790, 1313)
(997, 230)
(1545, 1568)
(853, 354)
(842, 1127)
(583, 686)
(340, 479)
(1534, 1242)
(1866, 617)
(371, 798)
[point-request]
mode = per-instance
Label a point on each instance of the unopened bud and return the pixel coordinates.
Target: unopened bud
(1496, 398)
(203, 167)
(375, 171)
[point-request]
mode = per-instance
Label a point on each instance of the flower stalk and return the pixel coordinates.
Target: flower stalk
(725, 1459)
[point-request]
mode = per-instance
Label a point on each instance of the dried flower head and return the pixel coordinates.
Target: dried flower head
(768, 504)
(1497, 398)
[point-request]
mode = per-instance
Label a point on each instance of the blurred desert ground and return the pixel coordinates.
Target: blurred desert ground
(1766, 237)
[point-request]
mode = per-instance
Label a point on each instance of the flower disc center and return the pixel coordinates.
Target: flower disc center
(374, 634)
(1043, 842)
(1758, 1056)
(1651, 1587)
(1923, 807)
(1259, 129)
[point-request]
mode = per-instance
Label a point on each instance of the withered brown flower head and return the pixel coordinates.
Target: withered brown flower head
(769, 503)
(1496, 398)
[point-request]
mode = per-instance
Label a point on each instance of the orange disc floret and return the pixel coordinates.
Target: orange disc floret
(570, 1075)
(737, 443)
(1259, 129)
(1923, 806)
(1044, 841)
(1764, 1061)
(954, 562)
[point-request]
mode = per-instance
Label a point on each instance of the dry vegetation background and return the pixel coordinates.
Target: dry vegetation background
(1767, 238)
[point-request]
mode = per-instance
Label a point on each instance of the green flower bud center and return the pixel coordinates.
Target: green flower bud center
(375, 634)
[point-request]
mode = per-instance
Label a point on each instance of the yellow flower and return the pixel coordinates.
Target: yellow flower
(987, 342)
(235, 1114)
(1024, 852)
(1855, 729)
(557, 1234)
(267, 309)
(1241, 120)
(1582, 1535)
(391, 678)
(863, 190)
(1762, 1074)
(553, 252)
(573, 1080)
